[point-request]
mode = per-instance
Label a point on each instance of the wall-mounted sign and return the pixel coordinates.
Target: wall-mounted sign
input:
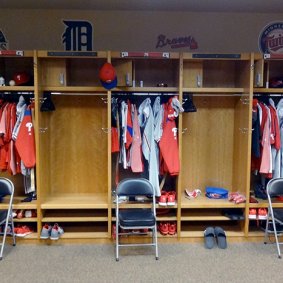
(176, 42)
(271, 39)
(3, 41)
(77, 35)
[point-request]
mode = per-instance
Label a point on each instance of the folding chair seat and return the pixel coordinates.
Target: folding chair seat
(132, 219)
(6, 218)
(274, 190)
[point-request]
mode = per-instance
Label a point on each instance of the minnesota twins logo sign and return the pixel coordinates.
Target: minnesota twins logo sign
(271, 39)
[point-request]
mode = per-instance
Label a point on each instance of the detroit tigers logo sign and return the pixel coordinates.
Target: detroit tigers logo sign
(77, 35)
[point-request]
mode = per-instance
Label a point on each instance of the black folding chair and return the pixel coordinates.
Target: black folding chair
(275, 215)
(131, 219)
(6, 218)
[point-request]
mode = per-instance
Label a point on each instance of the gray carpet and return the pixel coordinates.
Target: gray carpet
(244, 262)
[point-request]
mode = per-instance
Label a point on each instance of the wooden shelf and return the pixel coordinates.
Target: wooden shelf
(84, 235)
(142, 205)
(205, 215)
(199, 234)
(75, 215)
(204, 202)
(17, 204)
(157, 90)
(268, 90)
(32, 236)
(75, 201)
(31, 219)
(76, 90)
(264, 203)
(214, 90)
(17, 88)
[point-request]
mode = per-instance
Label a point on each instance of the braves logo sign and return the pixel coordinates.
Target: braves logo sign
(271, 39)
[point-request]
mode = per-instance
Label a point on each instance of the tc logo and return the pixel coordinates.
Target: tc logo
(77, 36)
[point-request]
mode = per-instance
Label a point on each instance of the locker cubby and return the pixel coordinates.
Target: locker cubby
(71, 71)
(145, 73)
(232, 73)
(196, 229)
(85, 230)
(75, 215)
(9, 66)
(217, 136)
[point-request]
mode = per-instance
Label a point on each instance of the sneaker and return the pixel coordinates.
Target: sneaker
(172, 228)
(262, 213)
(23, 231)
(56, 232)
(163, 198)
(252, 213)
(163, 228)
(192, 194)
(232, 196)
(253, 200)
(14, 214)
(121, 199)
(30, 213)
(45, 231)
(240, 199)
(171, 196)
(20, 214)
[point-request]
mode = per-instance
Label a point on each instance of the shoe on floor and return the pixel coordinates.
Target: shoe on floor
(262, 213)
(163, 198)
(56, 232)
(23, 231)
(30, 213)
(45, 231)
(171, 197)
(163, 228)
(209, 237)
(20, 213)
(220, 237)
(252, 213)
(172, 228)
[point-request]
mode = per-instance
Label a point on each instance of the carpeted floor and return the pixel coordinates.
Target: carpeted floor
(240, 262)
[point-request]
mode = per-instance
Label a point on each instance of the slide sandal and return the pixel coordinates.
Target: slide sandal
(209, 236)
(220, 237)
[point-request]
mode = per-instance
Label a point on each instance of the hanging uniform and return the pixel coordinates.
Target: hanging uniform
(169, 150)
(146, 121)
(136, 151)
(25, 142)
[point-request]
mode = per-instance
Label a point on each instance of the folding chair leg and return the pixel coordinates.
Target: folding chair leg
(156, 246)
(266, 227)
(276, 239)
(13, 232)
(3, 240)
(117, 241)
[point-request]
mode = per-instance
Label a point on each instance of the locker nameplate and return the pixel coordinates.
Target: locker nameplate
(71, 53)
(272, 56)
(217, 56)
(165, 55)
(11, 53)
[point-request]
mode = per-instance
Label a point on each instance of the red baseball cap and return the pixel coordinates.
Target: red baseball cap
(107, 76)
(107, 73)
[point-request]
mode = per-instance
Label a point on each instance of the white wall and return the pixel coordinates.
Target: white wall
(136, 31)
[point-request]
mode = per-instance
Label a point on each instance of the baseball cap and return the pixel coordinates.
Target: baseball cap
(107, 76)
